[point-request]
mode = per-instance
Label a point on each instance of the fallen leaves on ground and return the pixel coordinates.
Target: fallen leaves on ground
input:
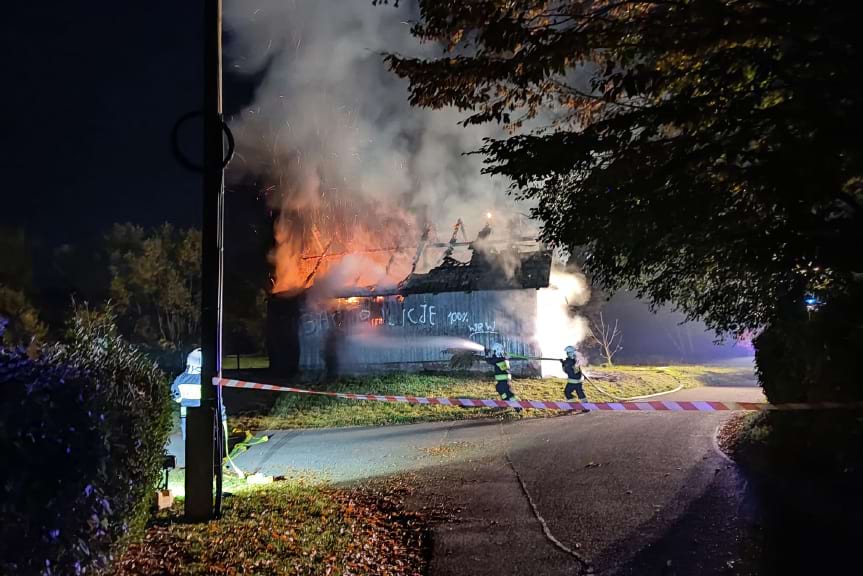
(288, 528)
(728, 434)
(448, 449)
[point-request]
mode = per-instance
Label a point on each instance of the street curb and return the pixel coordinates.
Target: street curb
(717, 448)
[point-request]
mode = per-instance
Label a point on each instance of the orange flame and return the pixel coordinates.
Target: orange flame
(306, 252)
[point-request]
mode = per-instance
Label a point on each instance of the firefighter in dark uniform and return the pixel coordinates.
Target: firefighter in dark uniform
(502, 375)
(574, 377)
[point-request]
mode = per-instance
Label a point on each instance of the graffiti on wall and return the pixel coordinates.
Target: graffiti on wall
(478, 328)
(313, 322)
(457, 317)
(421, 315)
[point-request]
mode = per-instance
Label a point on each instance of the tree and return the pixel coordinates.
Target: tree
(156, 287)
(22, 325)
(20, 320)
(705, 152)
(606, 337)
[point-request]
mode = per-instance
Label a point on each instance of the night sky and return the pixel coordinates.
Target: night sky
(91, 92)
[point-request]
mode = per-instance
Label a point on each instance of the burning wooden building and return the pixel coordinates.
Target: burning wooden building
(481, 291)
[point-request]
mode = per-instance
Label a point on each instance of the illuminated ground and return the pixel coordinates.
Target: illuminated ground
(627, 491)
(607, 484)
(349, 454)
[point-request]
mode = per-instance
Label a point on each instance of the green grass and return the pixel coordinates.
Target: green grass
(246, 362)
(290, 527)
(704, 375)
(302, 411)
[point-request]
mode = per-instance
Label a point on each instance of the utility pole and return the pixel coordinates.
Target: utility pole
(201, 437)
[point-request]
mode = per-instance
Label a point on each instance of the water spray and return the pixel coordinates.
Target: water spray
(449, 342)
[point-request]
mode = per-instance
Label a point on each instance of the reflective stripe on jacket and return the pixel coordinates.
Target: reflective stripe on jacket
(501, 368)
(186, 389)
(190, 391)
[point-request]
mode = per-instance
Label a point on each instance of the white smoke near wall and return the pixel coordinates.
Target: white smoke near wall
(557, 326)
(335, 126)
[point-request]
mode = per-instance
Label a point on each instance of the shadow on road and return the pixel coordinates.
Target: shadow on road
(715, 534)
(771, 532)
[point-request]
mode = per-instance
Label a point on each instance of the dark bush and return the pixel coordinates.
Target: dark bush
(813, 356)
(82, 428)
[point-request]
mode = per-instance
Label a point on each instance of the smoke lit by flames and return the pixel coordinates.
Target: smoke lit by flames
(349, 248)
(330, 246)
(343, 241)
(357, 173)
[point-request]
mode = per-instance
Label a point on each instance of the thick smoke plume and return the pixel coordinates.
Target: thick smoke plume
(352, 167)
(556, 325)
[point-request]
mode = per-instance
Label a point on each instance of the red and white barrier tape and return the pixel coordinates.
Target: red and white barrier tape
(648, 406)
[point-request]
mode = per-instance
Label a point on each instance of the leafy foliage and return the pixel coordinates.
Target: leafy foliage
(83, 428)
(21, 321)
(813, 357)
(706, 152)
(156, 287)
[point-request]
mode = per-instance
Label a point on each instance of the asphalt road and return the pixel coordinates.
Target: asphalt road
(621, 493)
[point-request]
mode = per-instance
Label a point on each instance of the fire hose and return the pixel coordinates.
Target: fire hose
(619, 399)
(476, 355)
(590, 380)
(609, 394)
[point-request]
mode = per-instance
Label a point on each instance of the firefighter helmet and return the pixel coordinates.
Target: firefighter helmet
(570, 351)
(497, 349)
(194, 361)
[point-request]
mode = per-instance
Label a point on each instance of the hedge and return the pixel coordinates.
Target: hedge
(813, 356)
(83, 429)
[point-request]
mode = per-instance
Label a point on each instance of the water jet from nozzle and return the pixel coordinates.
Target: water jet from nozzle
(444, 342)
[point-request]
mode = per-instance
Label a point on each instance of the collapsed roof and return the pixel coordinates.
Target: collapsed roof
(508, 269)
(505, 264)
